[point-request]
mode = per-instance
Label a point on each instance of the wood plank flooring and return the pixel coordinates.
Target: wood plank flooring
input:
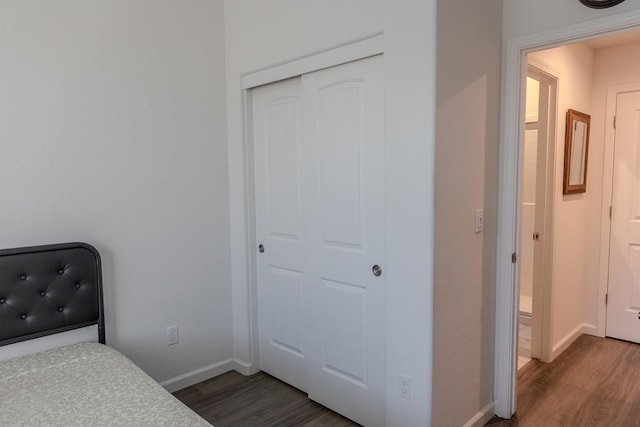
(595, 382)
(232, 399)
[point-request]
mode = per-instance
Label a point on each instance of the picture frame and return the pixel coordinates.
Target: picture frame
(576, 152)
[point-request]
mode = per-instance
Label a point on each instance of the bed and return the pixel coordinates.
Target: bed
(54, 289)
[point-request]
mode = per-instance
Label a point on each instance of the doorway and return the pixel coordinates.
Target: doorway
(507, 297)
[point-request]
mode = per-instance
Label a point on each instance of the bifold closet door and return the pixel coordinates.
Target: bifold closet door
(320, 208)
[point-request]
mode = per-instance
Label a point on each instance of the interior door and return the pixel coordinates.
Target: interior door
(320, 218)
(541, 236)
(623, 309)
(534, 221)
(344, 123)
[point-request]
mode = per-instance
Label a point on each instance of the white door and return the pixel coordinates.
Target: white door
(321, 305)
(535, 222)
(280, 230)
(344, 124)
(623, 309)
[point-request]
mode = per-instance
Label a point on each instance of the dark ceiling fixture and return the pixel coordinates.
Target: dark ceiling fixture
(600, 4)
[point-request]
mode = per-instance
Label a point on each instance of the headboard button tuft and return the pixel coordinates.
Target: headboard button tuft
(2, 300)
(77, 285)
(60, 309)
(43, 293)
(23, 316)
(60, 271)
(23, 277)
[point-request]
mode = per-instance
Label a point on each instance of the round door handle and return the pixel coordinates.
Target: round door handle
(377, 270)
(261, 248)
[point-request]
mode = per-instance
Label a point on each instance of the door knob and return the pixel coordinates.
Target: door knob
(261, 248)
(377, 270)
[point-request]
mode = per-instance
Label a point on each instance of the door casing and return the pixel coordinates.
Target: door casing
(368, 47)
(512, 108)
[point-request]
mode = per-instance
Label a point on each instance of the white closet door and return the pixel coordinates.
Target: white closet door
(280, 230)
(343, 127)
(320, 214)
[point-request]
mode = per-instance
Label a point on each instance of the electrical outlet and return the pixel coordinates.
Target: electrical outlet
(404, 387)
(172, 335)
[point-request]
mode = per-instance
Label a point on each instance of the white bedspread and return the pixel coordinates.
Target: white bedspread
(86, 384)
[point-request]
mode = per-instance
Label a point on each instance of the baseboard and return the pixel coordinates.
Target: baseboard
(564, 343)
(590, 330)
(244, 368)
(194, 377)
(482, 417)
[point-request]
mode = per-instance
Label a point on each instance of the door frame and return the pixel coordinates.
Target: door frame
(543, 285)
(361, 49)
(512, 108)
(607, 199)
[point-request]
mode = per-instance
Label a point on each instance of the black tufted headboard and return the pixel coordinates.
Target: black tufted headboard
(49, 289)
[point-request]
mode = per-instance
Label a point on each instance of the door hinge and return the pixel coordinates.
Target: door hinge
(614, 121)
(513, 258)
(606, 298)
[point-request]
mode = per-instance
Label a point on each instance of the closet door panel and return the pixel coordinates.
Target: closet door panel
(281, 269)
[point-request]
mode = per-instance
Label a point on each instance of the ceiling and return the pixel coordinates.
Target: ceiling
(615, 39)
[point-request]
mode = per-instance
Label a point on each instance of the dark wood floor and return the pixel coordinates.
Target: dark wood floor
(259, 400)
(595, 382)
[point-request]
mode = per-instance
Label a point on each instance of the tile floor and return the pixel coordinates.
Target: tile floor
(524, 345)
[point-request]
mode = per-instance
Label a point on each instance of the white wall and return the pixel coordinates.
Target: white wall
(614, 66)
(261, 34)
(523, 17)
(467, 126)
(112, 131)
(575, 256)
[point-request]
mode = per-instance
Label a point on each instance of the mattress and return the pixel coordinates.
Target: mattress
(86, 384)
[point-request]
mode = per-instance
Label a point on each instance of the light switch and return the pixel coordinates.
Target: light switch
(479, 220)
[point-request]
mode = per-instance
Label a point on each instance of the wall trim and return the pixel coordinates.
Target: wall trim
(483, 416)
(193, 377)
(190, 378)
(360, 49)
(567, 340)
(589, 329)
(244, 368)
(514, 68)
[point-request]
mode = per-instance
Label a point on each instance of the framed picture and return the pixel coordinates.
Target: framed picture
(576, 152)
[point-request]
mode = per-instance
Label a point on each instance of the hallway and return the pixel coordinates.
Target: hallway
(593, 383)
